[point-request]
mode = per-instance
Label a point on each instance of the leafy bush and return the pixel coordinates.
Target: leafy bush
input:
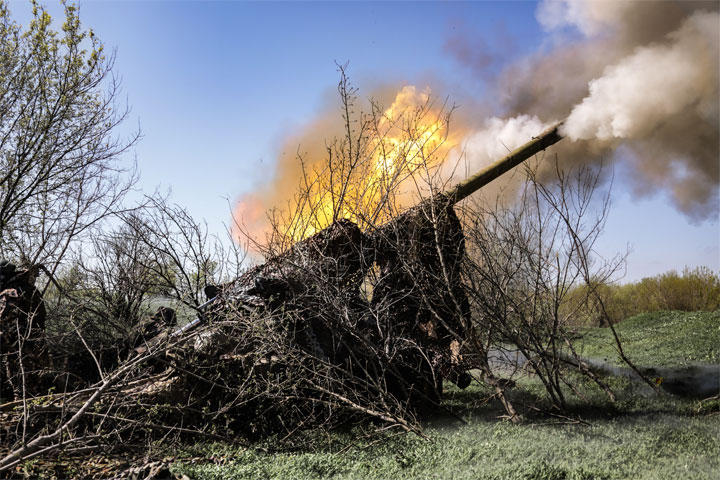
(695, 290)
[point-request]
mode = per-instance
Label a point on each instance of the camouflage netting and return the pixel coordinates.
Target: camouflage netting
(419, 294)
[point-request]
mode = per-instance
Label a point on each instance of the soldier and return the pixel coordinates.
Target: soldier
(22, 325)
(162, 321)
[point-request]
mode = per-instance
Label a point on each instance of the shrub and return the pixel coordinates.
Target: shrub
(696, 289)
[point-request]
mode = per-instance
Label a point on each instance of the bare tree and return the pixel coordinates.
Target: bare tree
(60, 173)
(127, 285)
(524, 260)
(384, 162)
(183, 257)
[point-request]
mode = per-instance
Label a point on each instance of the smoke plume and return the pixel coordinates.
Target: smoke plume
(494, 139)
(642, 75)
(645, 76)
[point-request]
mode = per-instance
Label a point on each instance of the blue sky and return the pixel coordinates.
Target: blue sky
(215, 87)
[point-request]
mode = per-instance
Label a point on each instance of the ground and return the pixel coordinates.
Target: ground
(641, 436)
(660, 339)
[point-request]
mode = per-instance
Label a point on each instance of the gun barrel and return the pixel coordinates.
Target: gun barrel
(470, 185)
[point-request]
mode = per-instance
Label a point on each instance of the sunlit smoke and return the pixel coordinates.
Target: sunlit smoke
(637, 75)
(663, 99)
(250, 218)
(653, 84)
(335, 174)
(495, 139)
(644, 75)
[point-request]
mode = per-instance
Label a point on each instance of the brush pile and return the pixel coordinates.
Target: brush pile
(343, 327)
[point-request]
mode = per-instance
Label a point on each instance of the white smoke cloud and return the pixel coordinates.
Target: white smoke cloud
(656, 82)
(494, 140)
(643, 75)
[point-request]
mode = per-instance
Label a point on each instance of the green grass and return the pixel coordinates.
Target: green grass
(641, 439)
(640, 436)
(610, 450)
(659, 339)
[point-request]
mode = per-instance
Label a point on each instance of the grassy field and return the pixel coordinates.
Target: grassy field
(659, 339)
(648, 446)
(638, 437)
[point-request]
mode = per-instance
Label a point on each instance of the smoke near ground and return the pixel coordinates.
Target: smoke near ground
(638, 75)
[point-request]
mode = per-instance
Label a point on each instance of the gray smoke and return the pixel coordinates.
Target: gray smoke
(645, 76)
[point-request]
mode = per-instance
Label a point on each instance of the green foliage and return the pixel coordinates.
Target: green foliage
(58, 168)
(659, 339)
(696, 289)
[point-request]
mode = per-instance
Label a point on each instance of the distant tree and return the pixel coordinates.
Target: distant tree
(59, 168)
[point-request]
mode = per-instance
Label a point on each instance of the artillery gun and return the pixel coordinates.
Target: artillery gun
(382, 355)
(417, 305)
(416, 316)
